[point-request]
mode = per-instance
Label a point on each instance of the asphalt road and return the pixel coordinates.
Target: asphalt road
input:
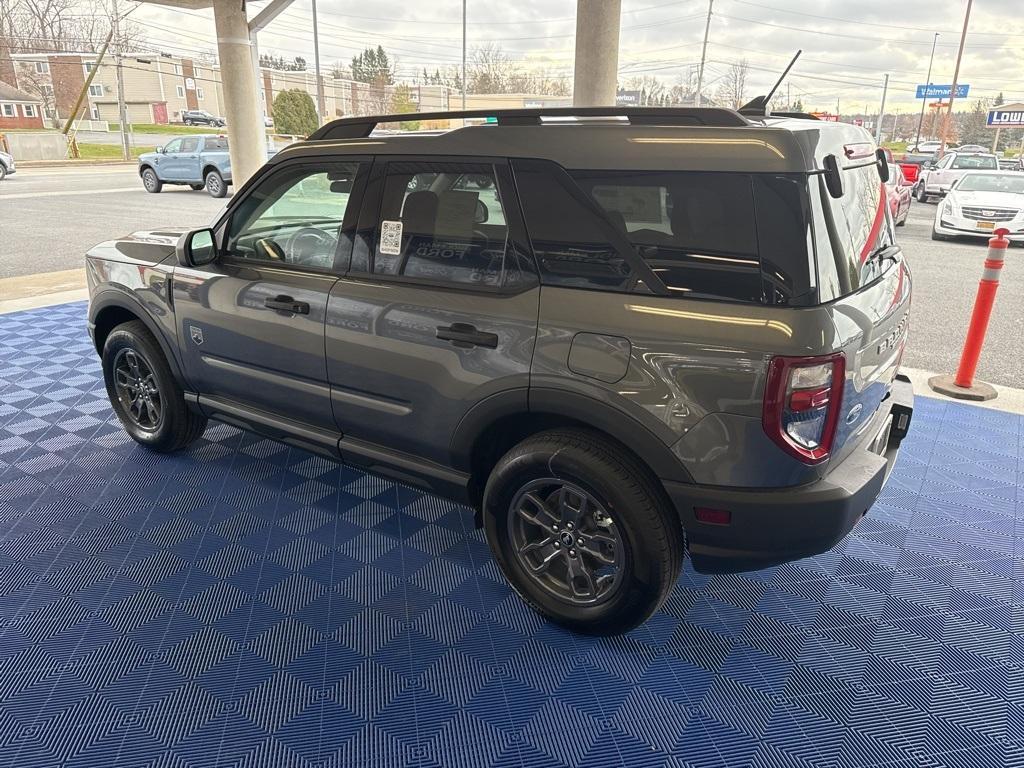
(50, 217)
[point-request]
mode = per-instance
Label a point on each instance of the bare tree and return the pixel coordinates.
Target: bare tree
(734, 85)
(39, 26)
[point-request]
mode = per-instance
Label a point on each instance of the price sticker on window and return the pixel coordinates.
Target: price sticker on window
(391, 238)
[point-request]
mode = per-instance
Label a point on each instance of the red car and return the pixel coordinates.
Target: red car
(898, 190)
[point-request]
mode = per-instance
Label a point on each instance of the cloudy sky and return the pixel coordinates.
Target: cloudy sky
(848, 46)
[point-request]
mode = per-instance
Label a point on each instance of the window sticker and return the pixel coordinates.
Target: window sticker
(391, 238)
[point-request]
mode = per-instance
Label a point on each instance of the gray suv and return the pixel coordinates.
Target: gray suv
(617, 335)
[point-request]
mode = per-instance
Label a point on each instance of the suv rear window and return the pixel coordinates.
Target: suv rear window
(734, 236)
(215, 145)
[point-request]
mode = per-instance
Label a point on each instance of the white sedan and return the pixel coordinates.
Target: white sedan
(981, 202)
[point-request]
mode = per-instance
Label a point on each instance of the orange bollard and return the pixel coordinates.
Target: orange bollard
(962, 385)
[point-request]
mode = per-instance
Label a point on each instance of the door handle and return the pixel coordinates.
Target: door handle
(287, 304)
(465, 335)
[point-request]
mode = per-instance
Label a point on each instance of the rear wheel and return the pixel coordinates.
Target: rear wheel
(151, 181)
(215, 185)
(582, 532)
(3, 172)
(144, 393)
(921, 195)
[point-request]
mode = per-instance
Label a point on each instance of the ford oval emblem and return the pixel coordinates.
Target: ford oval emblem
(854, 413)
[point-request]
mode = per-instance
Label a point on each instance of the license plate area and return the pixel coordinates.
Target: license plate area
(986, 225)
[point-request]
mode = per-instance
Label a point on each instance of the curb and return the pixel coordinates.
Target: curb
(72, 163)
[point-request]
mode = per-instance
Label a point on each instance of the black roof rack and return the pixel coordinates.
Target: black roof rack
(361, 127)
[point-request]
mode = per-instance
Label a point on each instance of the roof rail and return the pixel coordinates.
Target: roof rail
(361, 127)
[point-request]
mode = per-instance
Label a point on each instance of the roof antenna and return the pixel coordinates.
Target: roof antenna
(759, 105)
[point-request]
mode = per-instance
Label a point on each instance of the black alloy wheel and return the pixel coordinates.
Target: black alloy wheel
(137, 390)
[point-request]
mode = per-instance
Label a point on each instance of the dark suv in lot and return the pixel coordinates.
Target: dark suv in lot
(617, 335)
(201, 117)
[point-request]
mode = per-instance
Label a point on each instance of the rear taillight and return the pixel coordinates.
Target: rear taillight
(801, 404)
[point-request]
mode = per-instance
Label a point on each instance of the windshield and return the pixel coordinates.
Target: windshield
(975, 161)
(990, 182)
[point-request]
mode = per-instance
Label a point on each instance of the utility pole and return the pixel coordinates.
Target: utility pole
(956, 74)
(881, 112)
(316, 70)
(703, 53)
(927, 85)
(463, 55)
(122, 109)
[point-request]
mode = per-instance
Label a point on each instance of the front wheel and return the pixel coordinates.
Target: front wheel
(215, 185)
(921, 195)
(151, 181)
(3, 172)
(582, 532)
(143, 392)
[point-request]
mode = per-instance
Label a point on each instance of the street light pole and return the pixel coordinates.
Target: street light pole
(881, 112)
(316, 70)
(956, 74)
(703, 54)
(927, 85)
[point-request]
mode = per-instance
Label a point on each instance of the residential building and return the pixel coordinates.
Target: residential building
(19, 109)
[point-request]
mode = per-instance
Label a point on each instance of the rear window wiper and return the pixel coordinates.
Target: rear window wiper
(884, 253)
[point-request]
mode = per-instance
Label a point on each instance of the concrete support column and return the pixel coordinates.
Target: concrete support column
(241, 105)
(597, 52)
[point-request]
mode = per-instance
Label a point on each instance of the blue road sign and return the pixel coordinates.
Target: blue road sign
(1007, 117)
(932, 91)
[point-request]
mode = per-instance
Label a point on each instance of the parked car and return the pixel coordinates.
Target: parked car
(198, 161)
(201, 117)
(610, 343)
(981, 202)
(7, 166)
(937, 178)
(927, 147)
(1011, 164)
(268, 122)
(971, 149)
(898, 191)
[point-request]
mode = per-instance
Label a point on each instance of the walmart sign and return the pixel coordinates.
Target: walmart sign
(931, 91)
(1012, 116)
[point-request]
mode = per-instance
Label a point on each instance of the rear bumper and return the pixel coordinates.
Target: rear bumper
(770, 526)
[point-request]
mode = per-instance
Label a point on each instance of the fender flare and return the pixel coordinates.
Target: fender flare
(112, 297)
(654, 450)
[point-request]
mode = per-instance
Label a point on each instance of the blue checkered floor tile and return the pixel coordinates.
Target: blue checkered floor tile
(248, 604)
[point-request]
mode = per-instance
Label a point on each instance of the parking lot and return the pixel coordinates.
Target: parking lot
(76, 208)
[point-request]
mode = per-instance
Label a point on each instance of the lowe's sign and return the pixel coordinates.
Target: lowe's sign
(931, 91)
(1009, 117)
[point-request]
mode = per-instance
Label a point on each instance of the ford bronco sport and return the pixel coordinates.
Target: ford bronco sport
(616, 334)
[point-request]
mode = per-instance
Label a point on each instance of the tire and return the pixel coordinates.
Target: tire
(626, 508)
(151, 181)
(3, 171)
(188, 122)
(214, 184)
(176, 425)
(196, 187)
(920, 195)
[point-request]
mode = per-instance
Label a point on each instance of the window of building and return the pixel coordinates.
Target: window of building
(42, 68)
(88, 66)
(29, 110)
(294, 216)
(180, 89)
(47, 90)
(94, 112)
(177, 69)
(96, 89)
(8, 110)
(199, 94)
(197, 72)
(443, 222)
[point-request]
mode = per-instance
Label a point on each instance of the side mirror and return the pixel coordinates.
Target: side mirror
(160, 150)
(481, 214)
(196, 248)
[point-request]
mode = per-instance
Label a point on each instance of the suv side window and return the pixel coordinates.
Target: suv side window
(172, 146)
(295, 216)
(444, 223)
(189, 145)
(571, 237)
